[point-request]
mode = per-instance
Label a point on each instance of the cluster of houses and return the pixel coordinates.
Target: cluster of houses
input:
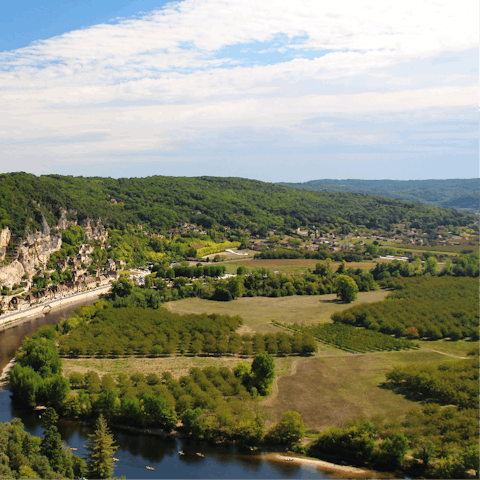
(79, 283)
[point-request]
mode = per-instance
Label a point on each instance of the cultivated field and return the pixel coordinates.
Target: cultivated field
(258, 312)
(290, 266)
(327, 391)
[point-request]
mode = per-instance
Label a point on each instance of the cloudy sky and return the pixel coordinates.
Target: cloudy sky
(274, 90)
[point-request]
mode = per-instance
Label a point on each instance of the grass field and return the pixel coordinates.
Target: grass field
(459, 348)
(290, 266)
(327, 391)
(178, 366)
(258, 312)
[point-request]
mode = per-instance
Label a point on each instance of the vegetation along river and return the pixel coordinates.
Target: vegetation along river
(136, 451)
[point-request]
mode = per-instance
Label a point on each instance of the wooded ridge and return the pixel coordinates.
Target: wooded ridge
(161, 203)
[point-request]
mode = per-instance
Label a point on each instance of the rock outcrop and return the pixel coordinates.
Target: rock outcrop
(33, 254)
(11, 274)
(97, 232)
(63, 222)
(5, 236)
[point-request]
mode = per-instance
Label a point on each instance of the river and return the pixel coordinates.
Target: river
(136, 451)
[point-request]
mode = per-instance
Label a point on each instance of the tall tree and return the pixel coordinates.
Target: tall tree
(101, 448)
(51, 445)
(345, 288)
(262, 373)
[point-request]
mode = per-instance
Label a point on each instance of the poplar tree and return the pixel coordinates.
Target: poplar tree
(101, 449)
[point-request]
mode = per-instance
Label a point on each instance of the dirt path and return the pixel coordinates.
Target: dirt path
(443, 353)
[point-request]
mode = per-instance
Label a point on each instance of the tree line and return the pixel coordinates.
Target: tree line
(160, 203)
(103, 330)
(349, 338)
(211, 403)
(431, 308)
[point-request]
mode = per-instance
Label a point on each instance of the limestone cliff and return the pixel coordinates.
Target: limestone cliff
(63, 222)
(35, 252)
(97, 232)
(11, 274)
(5, 236)
(32, 255)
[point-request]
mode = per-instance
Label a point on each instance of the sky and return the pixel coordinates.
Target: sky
(278, 91)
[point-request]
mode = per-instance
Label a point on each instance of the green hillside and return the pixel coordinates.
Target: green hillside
(459, 194)
(159, 203)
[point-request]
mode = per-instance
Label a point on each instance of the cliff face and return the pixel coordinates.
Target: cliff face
(11, 274)
(4, 241)
(34, 252)
(97, 232)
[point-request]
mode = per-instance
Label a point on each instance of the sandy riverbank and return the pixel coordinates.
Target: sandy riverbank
(4, 373)
(336, 471)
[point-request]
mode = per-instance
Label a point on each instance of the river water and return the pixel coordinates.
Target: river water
(136, 451)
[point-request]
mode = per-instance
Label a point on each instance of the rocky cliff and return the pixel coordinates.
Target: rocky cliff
(11, 274)
(34, 252)
(5, 236)
(94, 230)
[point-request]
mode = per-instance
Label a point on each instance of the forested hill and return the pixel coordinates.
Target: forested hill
(460, 194)
(159, 203)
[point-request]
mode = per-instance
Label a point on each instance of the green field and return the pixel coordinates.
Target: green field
(458, 348)
(290, 266)
(258, 312)
(328, 391)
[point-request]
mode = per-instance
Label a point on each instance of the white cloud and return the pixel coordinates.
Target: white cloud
(160, 81)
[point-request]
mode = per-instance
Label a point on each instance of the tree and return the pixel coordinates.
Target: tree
(345, 288)
(51, 445)
(262, 373)
(101, 448)
(288, 430)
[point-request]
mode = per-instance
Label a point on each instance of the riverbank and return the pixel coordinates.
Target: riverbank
(12, 319)
(338, 471)
(4, 373)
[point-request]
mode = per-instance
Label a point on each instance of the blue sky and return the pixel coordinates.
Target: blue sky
(277, 91)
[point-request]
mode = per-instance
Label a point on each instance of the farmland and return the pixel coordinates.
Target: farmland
(258, 312)
(290, 266)
(344, 387)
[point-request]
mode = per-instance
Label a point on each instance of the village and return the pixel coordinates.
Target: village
(25, 294)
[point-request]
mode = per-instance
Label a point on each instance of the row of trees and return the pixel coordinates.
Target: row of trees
(431, 442)
(449, 383)
(431, 308)
(136, 331)
(463, 266)
(350, 338)
(260, 282)
(210, 402)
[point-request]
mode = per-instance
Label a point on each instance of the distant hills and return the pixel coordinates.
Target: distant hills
(28, 203)
(459, 194)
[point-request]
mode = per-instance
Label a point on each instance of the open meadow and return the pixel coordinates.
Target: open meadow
(329, 390)
(258, 312)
